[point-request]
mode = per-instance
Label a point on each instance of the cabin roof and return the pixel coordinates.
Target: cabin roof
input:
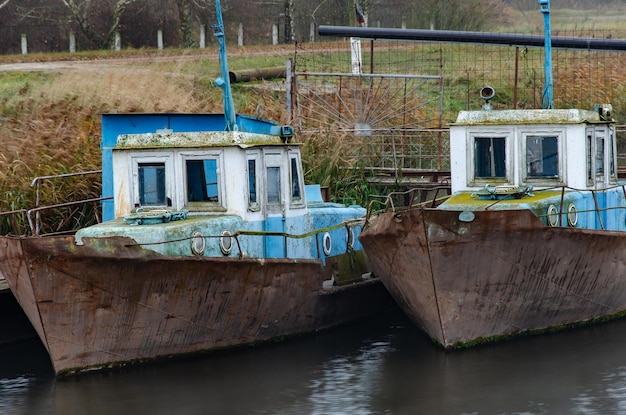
(533, 116)
(167, 139)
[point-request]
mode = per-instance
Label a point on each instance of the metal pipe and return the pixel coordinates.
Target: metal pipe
(515, 82)
(223, 81)
(548, 88)
(493, 38)
(257, 74)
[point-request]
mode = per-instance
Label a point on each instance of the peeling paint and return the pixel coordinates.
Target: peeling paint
(195, 139)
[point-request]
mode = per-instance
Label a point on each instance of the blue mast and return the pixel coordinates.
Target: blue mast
(223, 81)
(548, 89)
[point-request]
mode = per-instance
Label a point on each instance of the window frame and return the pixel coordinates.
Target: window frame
(138, 159)
(204, 206)
(608, 173)
(296, 203)
(559, 178)
(612, 154)
(474, 180)
(254, 206)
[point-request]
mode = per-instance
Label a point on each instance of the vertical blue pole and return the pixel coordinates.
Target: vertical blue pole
(548, 89)
(224, 80)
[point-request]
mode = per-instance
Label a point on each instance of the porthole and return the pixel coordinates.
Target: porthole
(572, 215)
(198, 243)
(553, 216)
(226, 242)
(327, 243)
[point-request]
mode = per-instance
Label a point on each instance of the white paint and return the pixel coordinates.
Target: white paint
(355, 55)
(232, 157)
(24, 44)
(72, 42)
(202, 36)
(570, 126)
(118, 41)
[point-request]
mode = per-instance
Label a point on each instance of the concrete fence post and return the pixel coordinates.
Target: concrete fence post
(274, 34)
(160, 39)
(118, 41)
(72, 42)
(24, 44)
(202, 36)
(240, 35)
(312, 32)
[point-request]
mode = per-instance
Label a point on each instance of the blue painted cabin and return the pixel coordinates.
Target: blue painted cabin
(183, 185)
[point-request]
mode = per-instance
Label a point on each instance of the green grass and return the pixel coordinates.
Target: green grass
(566, 20)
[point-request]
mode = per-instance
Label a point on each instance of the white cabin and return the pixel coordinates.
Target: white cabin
(538, 148)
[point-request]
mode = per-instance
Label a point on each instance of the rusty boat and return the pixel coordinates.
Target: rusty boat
(531, 239)
(210, 239)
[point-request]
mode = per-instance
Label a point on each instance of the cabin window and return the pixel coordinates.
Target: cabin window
(589, 148)
(253, 184)
(273, 185)
(612, 144)
(152, 184)
(599, 156)
(542, 156)
(202, 181)
(489, 157)
(151, 180)
(295, 181)
(600, 147)
(297, 199)
(252, 181)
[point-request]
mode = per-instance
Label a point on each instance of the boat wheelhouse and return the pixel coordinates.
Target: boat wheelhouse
(241, 193)
(561, 164)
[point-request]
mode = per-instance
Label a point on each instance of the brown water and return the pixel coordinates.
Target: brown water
(376, 367)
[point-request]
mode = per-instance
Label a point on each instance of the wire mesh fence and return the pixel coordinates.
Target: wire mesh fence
(431, 82)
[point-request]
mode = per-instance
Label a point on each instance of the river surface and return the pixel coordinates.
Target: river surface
(379, 366)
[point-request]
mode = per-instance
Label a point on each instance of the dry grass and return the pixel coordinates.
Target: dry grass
(53, 126)
(50, 123)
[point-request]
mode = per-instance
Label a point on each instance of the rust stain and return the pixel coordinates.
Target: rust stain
(108, 302)
(505, 273)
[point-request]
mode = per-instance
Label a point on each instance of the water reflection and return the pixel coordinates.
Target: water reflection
(26, 379)
(380, 367)
(348, 382)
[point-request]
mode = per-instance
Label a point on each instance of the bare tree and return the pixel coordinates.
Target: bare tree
(81, 12)
(188, 12)
(290, 27)
(287, 13)
(186, 22)
(454, 14)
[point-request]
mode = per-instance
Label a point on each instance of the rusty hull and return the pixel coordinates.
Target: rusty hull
(502, 274)
(111, 303)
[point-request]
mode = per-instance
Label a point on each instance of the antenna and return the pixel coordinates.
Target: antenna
(548, 89)
(223, 81)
